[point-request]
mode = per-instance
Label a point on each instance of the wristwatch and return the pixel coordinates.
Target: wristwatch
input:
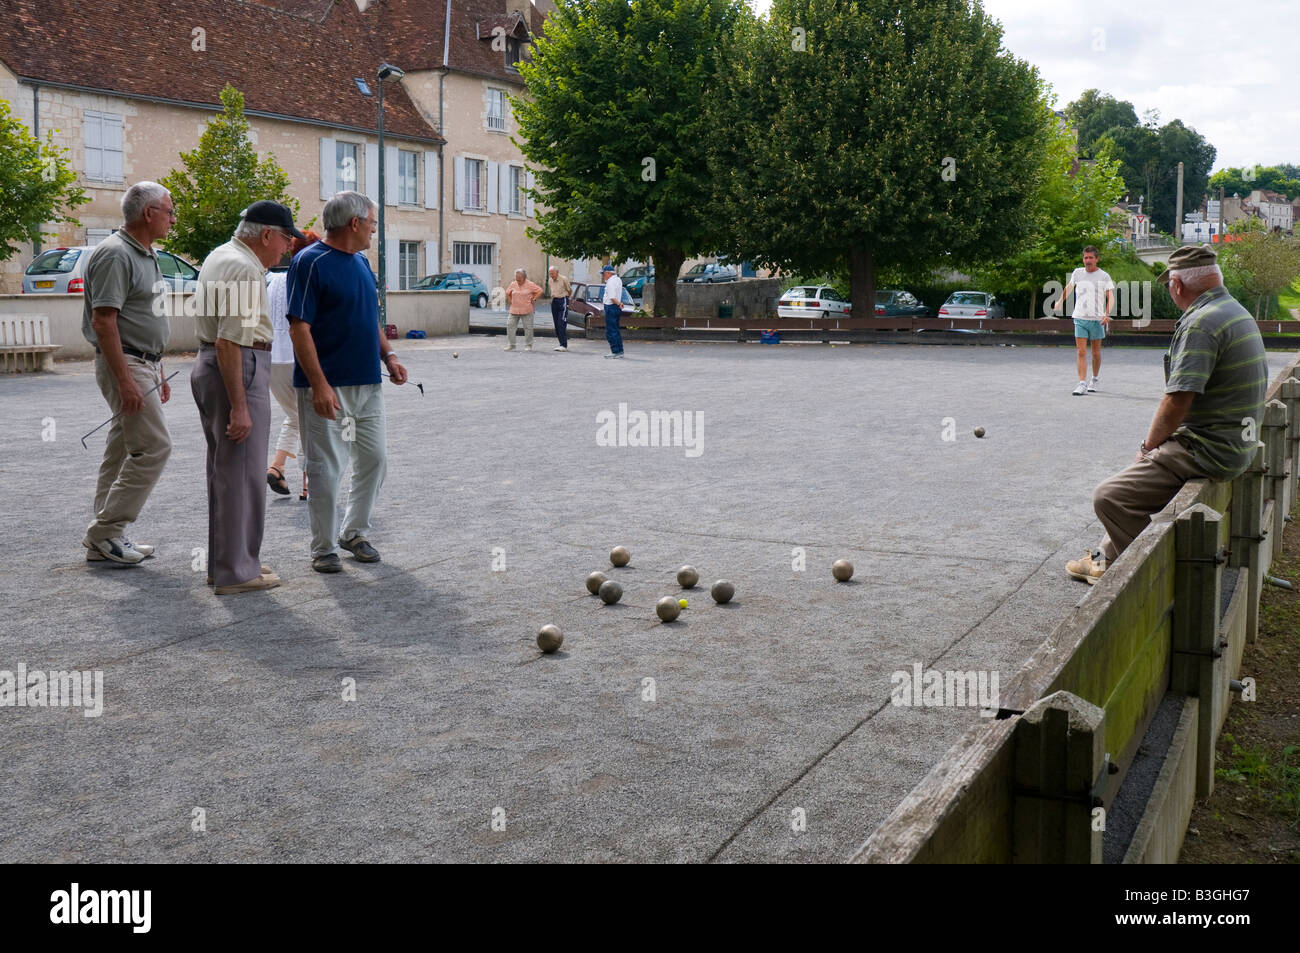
(388, 355)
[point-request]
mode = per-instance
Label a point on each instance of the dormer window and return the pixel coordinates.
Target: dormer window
(514, 52)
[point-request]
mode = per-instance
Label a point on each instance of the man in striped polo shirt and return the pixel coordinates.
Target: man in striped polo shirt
(1216, 375)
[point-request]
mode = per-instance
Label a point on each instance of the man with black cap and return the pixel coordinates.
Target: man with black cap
(231, 384)
(1216, 375)
(612, 299)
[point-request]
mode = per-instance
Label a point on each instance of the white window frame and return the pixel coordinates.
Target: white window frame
(341, 152)
(475, 169)
(517, 182)
(103, 123)
(408, 186)
(496, 110)
(472, 253)
(408, 265)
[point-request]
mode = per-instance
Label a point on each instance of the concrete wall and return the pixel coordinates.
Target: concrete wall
(434, 312)
(750, 297)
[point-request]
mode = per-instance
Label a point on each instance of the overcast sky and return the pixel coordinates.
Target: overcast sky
(1231, 71)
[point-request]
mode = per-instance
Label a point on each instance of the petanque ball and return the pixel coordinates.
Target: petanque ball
(667, 609)
(687, 577)
(594, 581)
(722, 591)
(549, 638)
(610, 592)
(454, 354)
(842, 570)
(619, 556)
(979, 431)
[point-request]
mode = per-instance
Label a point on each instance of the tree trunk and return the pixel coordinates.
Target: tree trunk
(668, 264)
(1033, 303)
(862, 283)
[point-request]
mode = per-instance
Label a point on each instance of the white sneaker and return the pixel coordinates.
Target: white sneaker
(528, 347)
(561, 348)
(1081, 389)
(1092, 386)
(144, 549)
(508, 347)
(118, 550)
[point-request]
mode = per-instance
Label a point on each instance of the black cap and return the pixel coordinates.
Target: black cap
(271, 213)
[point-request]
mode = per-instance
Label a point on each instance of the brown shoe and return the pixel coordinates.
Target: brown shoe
(266, 571)
(268, 581)
(1089, 568)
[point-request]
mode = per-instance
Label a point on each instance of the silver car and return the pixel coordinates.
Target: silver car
(972, 304)
(62, 271)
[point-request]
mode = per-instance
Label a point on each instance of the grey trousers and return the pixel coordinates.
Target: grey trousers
(136, 451)
(1125, 502)
(236, 471)
(357, 434)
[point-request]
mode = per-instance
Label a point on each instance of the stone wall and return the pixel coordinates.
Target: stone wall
(750, 298)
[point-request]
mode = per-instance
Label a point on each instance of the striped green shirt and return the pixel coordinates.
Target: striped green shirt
(1217, 354)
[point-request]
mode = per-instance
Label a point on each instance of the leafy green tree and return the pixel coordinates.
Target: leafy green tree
(1071, 211)
(874, 134)
(1260, 265)
(1094, 114)
(36, 185)
(219, 179)
(1242, 181)
(614, 125)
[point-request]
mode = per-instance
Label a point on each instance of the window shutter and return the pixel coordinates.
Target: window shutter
(431, 180)
(94, 150)
(328, 169)
(528, 202)
(372, 172)
(113, 149)
(458, 183)
(493, 186)
(431, 263)
(391, 183)
(391, 255)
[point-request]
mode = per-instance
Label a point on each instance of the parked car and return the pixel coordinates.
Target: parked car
(812, 301)
(709, 274)
(972, 304)
(895, 304)
(456, 281)
(63, 271)
(585, 300)
(635, 279)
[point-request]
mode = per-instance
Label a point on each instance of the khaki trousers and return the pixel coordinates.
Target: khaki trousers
(358, 434)
(1125, 502)
(135, 453)
(512, 324)
(286, 396)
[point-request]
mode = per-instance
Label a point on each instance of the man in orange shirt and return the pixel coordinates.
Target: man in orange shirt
(520, 295)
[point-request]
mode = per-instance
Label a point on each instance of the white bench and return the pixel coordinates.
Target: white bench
(25, 343)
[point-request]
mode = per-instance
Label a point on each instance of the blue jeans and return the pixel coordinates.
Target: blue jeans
(559, 310)
(612, 334)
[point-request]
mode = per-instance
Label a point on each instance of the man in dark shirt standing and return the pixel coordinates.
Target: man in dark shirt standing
(334, 323)
(1216, 375)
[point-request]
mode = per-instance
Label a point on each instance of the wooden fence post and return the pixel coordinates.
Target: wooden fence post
(1059, 759)
(1273, 433)
(1198, 581)
(1246, 519)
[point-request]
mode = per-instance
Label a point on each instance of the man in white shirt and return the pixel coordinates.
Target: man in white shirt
(1093, 303)
(612, 299)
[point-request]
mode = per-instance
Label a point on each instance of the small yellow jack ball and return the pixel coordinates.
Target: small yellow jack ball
(682, 603)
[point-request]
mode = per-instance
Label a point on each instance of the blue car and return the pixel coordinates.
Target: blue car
(456, 281)
(634, 279)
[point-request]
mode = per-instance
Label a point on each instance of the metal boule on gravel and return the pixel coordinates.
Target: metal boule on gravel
(594, 581)
(722, 591)
(549, 638)
(842, 570)
(667, 609)
(687, 577)
(610, 592)
(619, 556)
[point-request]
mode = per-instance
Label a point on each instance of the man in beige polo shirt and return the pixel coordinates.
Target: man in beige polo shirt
(231, 384)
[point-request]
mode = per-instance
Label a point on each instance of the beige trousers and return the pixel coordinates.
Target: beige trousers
(512, 324)
(135, 453)
(1125, 502)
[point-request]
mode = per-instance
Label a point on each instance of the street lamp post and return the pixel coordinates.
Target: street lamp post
(387, 71)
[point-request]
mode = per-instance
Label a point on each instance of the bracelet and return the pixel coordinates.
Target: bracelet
(388, 355)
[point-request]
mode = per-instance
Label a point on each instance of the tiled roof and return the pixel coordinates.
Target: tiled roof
(292, 58)
(414, 29)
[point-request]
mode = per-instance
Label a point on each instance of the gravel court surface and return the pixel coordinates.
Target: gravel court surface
(773, 706)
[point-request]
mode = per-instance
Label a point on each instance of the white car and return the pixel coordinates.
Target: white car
(812, 301)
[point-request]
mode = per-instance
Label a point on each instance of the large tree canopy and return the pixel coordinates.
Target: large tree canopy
(1242, 181)
(36, 185)
(614, 125)
(220, 179)
(874, 133)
